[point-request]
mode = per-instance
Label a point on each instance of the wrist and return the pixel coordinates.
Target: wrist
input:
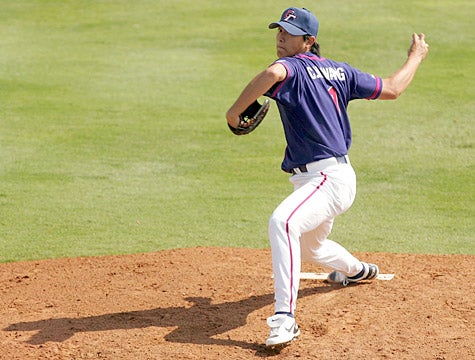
(232, 119)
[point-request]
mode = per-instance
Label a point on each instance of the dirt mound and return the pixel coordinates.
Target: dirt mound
(212, 303)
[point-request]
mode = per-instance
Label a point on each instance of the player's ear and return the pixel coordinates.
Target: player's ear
(310, 40)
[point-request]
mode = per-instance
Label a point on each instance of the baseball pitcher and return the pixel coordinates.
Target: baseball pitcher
(312, 94)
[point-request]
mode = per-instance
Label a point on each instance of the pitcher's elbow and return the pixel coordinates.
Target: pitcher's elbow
(390, 94)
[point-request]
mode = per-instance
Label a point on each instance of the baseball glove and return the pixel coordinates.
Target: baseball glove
(251, 118)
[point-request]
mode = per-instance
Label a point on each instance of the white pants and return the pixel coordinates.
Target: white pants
(300, 225)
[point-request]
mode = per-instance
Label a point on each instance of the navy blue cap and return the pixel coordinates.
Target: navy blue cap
(297, 22)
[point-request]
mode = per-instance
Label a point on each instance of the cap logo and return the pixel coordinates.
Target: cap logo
(290, 14)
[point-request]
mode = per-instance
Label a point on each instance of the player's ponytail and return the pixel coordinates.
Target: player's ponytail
(315, 49)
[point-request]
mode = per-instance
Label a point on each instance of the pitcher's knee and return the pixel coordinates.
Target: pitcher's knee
(281, 225)
(277, 221)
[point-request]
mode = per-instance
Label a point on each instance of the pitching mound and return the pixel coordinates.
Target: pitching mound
(212, 303)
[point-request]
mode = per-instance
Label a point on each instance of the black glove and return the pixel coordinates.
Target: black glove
(251, 118)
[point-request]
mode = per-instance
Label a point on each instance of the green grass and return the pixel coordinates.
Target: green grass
(113, 138)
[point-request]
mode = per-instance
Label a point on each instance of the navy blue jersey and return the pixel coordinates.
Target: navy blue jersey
(312, 102)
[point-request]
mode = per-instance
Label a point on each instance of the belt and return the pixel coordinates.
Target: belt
(320, 164)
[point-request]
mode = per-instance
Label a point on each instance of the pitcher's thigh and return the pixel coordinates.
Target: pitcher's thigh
(305, 209)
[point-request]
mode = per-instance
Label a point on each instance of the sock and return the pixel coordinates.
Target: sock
(360, 274)
(284, 313)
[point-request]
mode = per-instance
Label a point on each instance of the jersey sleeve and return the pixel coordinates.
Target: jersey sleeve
(365, 86)
(274, 91)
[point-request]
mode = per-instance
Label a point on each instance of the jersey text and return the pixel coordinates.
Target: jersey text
(328, 73)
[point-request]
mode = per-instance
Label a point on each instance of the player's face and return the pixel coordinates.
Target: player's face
(289, 45)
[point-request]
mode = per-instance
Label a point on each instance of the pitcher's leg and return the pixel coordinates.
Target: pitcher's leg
(300, 212)
(317, 248)
(286, 263)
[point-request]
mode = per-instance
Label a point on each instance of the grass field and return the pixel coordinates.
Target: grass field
(113, 137)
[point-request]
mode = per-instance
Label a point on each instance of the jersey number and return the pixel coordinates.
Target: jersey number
(334, 97)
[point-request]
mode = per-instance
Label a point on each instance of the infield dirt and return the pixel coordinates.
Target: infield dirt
(212, 303)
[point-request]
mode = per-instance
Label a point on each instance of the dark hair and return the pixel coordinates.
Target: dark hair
(315, 49)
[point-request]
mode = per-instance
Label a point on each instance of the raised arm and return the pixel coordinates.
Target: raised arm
(256, 88)
(397, 83)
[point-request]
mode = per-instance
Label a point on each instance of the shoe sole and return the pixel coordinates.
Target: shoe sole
(280, 346)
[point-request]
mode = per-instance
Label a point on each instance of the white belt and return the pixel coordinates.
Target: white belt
(320, 165)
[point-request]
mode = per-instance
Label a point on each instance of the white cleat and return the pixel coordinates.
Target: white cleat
(283, 329)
